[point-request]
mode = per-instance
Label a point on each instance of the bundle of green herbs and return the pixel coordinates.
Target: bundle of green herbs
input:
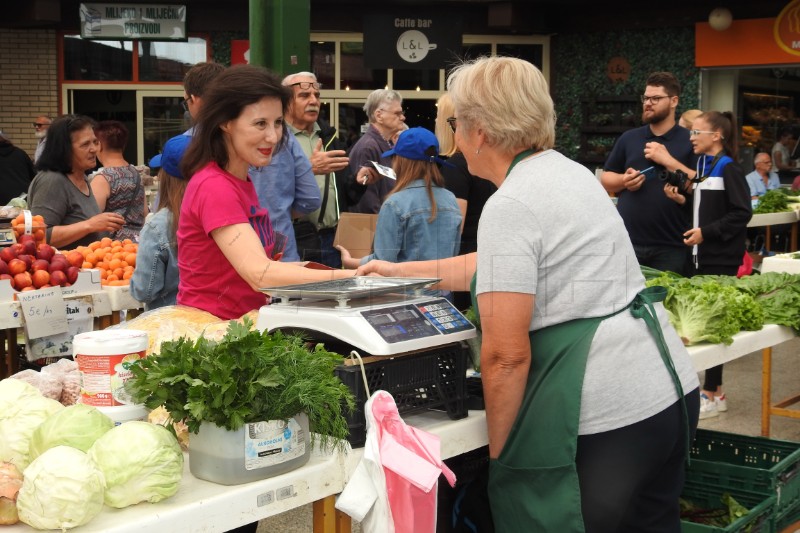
(246, 377)
(775, 201)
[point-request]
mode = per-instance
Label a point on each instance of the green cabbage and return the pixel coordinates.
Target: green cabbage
(77, 425)
(140, 461)
(61, 489)
(21, 412)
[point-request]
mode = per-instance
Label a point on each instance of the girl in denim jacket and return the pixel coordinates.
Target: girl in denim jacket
(155, 279)
(420, 219)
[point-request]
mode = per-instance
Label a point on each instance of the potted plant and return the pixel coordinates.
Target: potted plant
(255, 401)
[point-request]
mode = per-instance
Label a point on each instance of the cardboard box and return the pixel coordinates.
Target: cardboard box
(355, 232)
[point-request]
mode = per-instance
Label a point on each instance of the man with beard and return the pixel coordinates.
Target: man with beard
(40, 126)
(655, 224)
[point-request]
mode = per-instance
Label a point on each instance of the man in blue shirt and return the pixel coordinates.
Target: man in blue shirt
(287, 188)
(655, 223)
(762, 179)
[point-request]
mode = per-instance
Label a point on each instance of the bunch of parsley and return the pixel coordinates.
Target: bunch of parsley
(246, 377)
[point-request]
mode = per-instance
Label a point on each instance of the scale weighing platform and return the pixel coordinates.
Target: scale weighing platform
(381, 316)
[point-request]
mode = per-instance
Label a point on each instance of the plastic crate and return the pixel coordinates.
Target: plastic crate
(789, 517)
(433, 379)
(757, 464)
(707, 495)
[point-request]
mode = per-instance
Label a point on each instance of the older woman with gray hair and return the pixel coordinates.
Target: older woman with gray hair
(384, 109)
(591, 398)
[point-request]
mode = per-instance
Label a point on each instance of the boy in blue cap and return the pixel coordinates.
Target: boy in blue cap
(155, 278)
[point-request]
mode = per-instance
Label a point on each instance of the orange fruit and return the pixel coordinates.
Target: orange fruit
(114, 264)
(94, 245)
(118, 272)
(127, 274)
(111, 277)
(87, 264)
(130, 259)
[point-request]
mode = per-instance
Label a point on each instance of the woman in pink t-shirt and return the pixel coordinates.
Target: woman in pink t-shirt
(226, 245)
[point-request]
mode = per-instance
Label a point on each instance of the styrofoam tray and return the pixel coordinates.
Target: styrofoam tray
(121, 298)
(781, 263)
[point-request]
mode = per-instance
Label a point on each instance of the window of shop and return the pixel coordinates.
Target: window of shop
(338, 62)
(154, 61)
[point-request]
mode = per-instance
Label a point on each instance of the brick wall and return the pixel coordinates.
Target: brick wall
(28, 82)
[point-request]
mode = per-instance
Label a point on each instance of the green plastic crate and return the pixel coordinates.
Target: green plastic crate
(757, 464)
(706, 495)
(788, 518)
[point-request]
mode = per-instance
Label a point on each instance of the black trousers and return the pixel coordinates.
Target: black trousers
(713, 378)
(631, 477)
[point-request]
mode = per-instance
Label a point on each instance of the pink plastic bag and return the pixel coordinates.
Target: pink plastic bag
(746, 268)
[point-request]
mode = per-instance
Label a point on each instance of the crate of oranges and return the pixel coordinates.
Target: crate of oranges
(114, 259)
(30, 224)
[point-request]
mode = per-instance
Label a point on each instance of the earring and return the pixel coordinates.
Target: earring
(477, 151)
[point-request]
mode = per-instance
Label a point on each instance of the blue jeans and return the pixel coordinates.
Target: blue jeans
(330, 256)
(664, 258)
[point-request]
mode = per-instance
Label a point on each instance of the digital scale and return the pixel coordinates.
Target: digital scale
(380, 316)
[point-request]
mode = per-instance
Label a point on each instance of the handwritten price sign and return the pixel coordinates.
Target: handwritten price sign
(44, 311)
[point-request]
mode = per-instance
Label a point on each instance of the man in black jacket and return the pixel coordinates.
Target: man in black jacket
(16, 170)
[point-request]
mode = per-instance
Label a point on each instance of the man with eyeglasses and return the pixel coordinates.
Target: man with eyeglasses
(195, 82)
(763, 178)
(655, 223)
(40, 126)
(384, 109)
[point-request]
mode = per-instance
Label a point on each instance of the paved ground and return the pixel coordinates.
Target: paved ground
(742, 384)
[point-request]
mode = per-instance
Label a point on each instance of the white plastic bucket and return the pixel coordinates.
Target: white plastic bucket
(103, 358)
(125, 413)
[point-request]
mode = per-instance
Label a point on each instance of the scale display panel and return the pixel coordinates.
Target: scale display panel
(416, 321)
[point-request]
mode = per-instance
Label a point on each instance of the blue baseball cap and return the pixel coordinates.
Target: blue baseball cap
(170, 158)
(418, 144)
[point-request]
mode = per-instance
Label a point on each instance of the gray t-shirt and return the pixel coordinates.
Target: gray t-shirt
(53, 196)
(551, 230)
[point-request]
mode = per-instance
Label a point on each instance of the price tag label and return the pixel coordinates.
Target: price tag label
(44, 312)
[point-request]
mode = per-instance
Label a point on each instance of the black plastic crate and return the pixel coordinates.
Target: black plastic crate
(434, 379)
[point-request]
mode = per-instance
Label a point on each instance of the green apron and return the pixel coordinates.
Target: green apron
(534, 482)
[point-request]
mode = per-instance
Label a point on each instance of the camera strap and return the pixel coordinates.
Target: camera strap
(710, 167)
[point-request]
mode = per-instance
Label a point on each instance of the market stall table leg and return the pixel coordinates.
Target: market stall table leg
(329, 520)
(768, 409)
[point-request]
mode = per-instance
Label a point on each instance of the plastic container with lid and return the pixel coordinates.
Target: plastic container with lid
(125, 413)
(103, 358)
(255, 451)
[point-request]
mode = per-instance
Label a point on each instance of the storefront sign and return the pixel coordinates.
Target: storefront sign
(787, 28)
(618, 69)
(411, 38)
(163, 22)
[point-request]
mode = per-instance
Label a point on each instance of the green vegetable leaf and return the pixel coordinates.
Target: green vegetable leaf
(246, 377)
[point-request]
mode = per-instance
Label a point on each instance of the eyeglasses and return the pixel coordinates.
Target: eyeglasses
(764, 162)
(653, 99)
(453, 122)
(698, 132)
(185, 103)
(38, 125)
(398, 114)
(306, 85)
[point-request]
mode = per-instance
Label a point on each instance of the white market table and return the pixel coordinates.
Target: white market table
(707, 355)
(201, 506)
(772, 219)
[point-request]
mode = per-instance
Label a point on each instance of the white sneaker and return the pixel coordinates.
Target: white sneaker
(721, 402)
(708, 408)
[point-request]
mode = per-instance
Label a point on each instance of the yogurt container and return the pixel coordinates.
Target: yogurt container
(125, 413)
(103, 359)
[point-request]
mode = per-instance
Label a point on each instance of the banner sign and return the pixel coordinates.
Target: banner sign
(163, 22)
(411, 38)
